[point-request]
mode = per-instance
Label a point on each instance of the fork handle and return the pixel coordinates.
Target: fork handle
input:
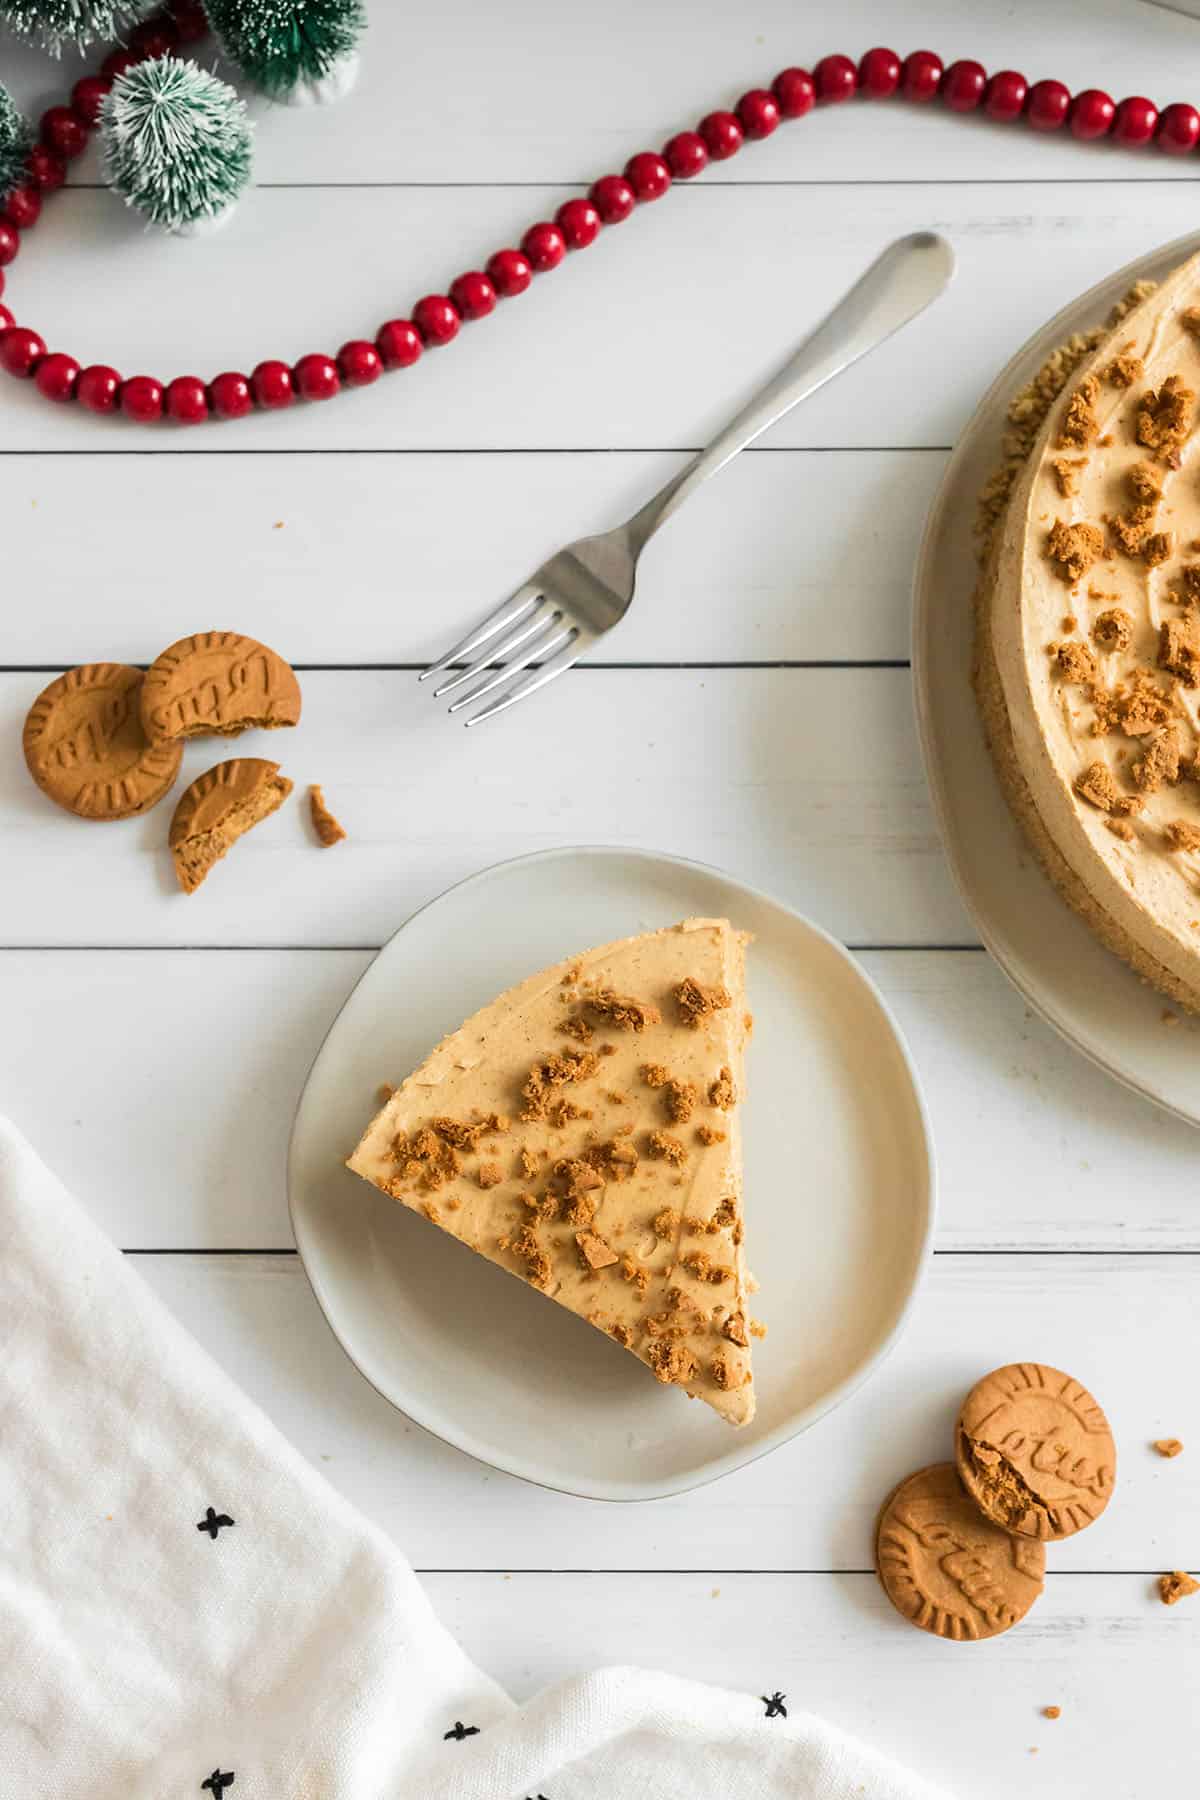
(899, 284)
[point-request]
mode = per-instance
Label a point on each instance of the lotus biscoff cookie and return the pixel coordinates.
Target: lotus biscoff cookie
(218, 809)
(86, 749)
(217, 684)
(949, 1570)
(1035, 1451)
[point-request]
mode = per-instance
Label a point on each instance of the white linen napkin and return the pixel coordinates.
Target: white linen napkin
(187, 1608)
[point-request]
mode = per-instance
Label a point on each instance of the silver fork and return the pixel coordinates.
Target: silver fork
(587, 588)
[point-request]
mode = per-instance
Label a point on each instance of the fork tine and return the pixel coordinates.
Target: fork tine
(558, 665)
(560, 633)
(505, 614)
(499, 647)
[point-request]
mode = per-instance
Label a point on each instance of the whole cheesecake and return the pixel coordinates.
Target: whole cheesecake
(1088, 645)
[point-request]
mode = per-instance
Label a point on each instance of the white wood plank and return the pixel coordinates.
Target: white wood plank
(644, 341)
(1124, 1325)
(518, 96)
(794, 555)
(806, 781)
(1097, 1646)
(835, 1647)
(1036, 1148)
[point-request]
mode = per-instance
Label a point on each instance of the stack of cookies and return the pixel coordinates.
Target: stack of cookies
(960, 1546)
(106, 742)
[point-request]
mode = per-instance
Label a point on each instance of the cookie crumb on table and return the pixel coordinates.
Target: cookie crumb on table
(1052, 1712)
(1168, 1447)
(1176, 1586)
(327, 828)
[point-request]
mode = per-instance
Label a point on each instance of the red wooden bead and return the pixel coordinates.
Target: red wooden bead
(399, 342)
(153, 38)
(685, 155)
(116, 63)
(63, 133)
(795, 91)
(23, 206)
(56, 377)
(1178, 128)
(141, 399)
(97, 388)
(316, 377)
(879, 74)
(229, 395)
(359, 363)
(579, 223)
(436, 319)
(836, 78)
(88, 96)
(1092, 114)
(962, 86)
(1135, 120)
(545, 247)
(648, 175)
(190, 21)
(271, 385)
(722, 134)
(21, 350)
(921, 76)
(509, 271)
(45, 168)
(10, 242)
(758, 113)
(1047, 105)
(473, 295)
(613, 198)
(1004, 95)
(187, 400)
(6, 318)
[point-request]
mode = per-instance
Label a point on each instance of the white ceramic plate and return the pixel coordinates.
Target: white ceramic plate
(1084, 991)
(839, 1188)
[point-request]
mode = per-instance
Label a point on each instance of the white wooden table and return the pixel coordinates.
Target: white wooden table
(753, 712)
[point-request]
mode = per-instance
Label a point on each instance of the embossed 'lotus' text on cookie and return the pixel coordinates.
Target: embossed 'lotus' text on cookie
(946, 1568)
(1035, 1451)
(218, 683)
(86, 749)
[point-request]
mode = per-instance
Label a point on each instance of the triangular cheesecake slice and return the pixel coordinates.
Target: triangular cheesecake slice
(583, 1132)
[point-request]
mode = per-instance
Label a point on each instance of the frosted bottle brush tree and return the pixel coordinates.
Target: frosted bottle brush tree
(16, 141)
(177, 144)
(51, 24)
(297, 51)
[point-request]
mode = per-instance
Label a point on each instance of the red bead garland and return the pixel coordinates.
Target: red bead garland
(509, 272)
(1135, 121)
(1048, 105)
(1178, 129)
(63, 134)
(879, 74)
(921, 76)
(97, 388)
(1004, 96)
(963, 85)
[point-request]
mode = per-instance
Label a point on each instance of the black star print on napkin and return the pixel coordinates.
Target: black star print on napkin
(212, 1523)
(217, 1783)
(774, 1705)
(461, 1731)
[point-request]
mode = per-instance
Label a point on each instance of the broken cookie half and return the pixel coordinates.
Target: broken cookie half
(218, 809)
(583, 1132)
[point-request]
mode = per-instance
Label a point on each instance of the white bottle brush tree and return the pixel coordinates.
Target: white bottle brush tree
(53, 24)
(16, 141)
(297, 51)
(177, 144)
